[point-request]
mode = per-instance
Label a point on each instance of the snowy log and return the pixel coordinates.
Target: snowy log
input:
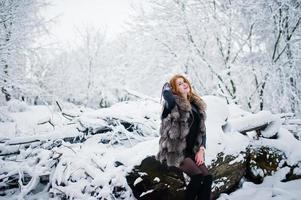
(69, 116)
(263, 161)
(153, 180)
(294, 126)
(28, 170)
(263, 121)
(45, 121)
(84, 129)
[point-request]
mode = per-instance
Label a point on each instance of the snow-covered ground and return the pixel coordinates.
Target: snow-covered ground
(92, 168)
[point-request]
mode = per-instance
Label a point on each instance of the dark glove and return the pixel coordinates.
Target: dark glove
(166, 86)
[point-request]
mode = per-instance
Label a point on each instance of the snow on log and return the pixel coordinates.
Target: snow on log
(264, 121)
(44, 137)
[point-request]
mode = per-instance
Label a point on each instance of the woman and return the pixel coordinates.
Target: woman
(183, 136)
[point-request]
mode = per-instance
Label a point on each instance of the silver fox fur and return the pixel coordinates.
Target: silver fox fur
(174, 129)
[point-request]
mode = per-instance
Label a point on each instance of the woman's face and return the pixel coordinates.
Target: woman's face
(182, 86)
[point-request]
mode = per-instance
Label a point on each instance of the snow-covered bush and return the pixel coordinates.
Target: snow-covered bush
(15, 105)
(2, 100)
(4, 116)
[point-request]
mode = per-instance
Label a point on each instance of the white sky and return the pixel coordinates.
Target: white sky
(104, 14)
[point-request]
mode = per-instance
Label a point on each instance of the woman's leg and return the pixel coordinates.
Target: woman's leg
(205, 191)
(191, 169)
(204, 169)
(201, 180)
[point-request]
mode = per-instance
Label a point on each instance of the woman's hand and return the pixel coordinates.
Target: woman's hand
(199, 157)
(166, 86)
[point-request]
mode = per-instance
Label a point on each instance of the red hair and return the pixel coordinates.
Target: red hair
(174, 86)
(191, 94)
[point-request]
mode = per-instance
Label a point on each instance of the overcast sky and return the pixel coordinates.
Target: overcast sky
(105, 14)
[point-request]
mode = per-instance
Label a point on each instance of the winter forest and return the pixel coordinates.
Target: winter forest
(80, 119)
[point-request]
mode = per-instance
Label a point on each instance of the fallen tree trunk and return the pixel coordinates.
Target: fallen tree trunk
(264, 123)
(77, 134)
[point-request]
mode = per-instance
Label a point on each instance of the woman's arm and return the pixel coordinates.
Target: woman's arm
(203, 144)
(200, 155)
(169, 100)
(203, 133)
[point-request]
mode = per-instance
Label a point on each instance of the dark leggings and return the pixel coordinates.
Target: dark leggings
(190, 167)
(192, 170)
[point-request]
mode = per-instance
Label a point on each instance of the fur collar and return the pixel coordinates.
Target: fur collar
(185, 105)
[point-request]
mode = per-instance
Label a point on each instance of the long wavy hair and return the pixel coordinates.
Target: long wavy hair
(191, 95)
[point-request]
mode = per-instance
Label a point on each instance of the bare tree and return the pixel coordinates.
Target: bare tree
(92, 41)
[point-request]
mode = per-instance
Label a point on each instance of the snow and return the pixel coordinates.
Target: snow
(251, 120)
(16, 106)
(88, 165)
(25, 123)
(236, 160)
(272, 127)
(256, 172)
(286, 143)
(218, 141)
(69, 131)
(297, 170)
(271, 189)
(157, 179)
(138, 180)
(144, 193)
(4, 116)
(219, 182)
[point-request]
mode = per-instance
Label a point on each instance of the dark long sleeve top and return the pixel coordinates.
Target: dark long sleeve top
(169, 103)
(191, 137)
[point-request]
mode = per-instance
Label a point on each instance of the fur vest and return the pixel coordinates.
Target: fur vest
(174, 129)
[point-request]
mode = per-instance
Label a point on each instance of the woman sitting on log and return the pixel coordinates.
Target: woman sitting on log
(183, 136)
